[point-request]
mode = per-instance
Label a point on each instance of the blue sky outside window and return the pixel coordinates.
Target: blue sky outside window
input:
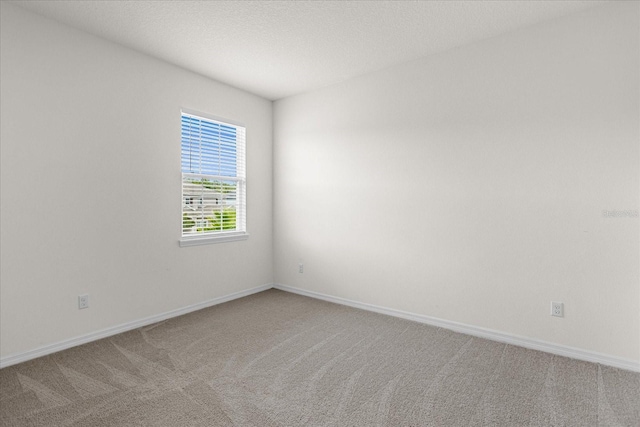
(208, 147)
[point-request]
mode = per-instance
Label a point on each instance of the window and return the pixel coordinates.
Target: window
(213, 180)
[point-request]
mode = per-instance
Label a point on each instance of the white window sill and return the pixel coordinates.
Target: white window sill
(211, 239)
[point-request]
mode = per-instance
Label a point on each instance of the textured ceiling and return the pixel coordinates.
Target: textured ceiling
(280, 48)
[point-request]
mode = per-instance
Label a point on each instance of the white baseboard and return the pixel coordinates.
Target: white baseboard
(534, 344)
(104, 333)
(560, 350)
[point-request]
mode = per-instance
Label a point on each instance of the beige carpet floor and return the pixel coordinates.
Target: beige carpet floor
(279, 359)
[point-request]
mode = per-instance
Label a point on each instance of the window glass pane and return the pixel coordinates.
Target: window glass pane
(213, 181)
(208, 147)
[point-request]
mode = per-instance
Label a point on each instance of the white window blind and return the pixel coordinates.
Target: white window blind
(213, 178)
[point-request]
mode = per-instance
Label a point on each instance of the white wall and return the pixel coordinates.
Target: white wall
(469, 186)
(91, 185)
(502, 154)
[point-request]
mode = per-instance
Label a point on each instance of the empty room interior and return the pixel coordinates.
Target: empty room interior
(329, 213)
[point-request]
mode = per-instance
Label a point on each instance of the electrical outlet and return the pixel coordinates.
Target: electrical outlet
(300, 268)
(557, 309)
(83, 301)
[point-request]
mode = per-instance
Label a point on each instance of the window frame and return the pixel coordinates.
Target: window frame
(218, 236)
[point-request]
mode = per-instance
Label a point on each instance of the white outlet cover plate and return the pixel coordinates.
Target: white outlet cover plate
(83, 301)
(557, 309)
